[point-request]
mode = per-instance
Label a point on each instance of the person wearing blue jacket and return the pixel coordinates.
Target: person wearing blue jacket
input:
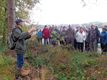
(103, 40)
(39, 36)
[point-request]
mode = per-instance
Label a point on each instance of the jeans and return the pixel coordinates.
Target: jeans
(80, 46)
(104, 47)
(46, 41)
(20, 60)
(93, 46)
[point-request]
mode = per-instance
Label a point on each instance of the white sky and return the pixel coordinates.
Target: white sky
(69, 12)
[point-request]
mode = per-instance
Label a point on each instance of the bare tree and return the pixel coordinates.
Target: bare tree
(11, 14)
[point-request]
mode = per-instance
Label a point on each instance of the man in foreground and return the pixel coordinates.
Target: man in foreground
(20, 37)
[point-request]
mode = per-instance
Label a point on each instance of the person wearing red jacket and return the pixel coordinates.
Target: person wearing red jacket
(46, 35)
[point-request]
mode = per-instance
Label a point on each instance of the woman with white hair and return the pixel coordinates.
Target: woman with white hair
(80, 37)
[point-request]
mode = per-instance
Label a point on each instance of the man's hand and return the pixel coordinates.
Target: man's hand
(33, 29)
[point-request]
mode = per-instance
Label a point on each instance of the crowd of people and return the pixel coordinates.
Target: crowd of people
(79, 38)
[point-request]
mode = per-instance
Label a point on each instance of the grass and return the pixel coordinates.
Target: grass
(64, 64)
(60, 64)
(2, 47)
(6, 67)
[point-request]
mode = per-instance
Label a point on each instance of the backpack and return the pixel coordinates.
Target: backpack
(10, 42)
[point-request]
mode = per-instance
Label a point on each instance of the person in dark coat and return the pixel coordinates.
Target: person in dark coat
(103, 40)
(70, 36)
(20, 37)
(93, 38)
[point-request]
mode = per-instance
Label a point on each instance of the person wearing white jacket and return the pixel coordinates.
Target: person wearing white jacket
(80, 38)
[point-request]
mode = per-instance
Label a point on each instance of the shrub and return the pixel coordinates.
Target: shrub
(5, 61)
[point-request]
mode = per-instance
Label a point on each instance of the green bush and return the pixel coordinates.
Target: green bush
(7, 78)
(5, 61)
(6, 67)
(64, 64)
(61, 76)
(37, 61)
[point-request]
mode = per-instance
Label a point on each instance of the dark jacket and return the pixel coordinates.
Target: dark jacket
(93, 35)
(19, 36)
(103, 38)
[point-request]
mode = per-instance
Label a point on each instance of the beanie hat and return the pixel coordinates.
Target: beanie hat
(18, 21)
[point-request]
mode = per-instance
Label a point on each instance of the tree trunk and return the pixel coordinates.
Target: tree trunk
(11, 14)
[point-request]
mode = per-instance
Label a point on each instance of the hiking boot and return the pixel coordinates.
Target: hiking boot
(17, 78)
(25, 72)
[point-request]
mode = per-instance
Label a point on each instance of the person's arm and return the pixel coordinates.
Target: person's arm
(28, 36)
(20, 35)
(23, 35)
(43, 32)
(76, 35)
